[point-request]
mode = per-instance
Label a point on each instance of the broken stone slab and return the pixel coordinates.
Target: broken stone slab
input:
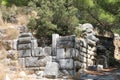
(37, 61)
(66, 63)
(86, 26)
(24, 46)
(33, 62)
(24, 40)
(91, 42)
(24, 53)
(51, 70)
(46, 59)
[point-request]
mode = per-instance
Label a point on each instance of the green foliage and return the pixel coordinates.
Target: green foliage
(62, 16)
(54, 17)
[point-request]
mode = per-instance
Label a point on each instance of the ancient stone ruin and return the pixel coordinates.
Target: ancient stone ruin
(67, 55)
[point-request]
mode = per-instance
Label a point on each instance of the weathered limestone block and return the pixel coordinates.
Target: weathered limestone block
(14, 44)
(66, 41)
(55, 38)
(60, 53)
(25, 35)
(46, 59)
(67, 38)
(24, 40)
(33, 62)
(37, 61)
(34, 43)
(38, 52)
(92, 37)
(47, 51)
(84, 44)
(91, 42)
(24, 46)
(51, 69)
(22, 62)
(25, 53)
(66, 63)
(72, 53)
(65, 44)
(78, 64)
(84, 50)
(86, 26)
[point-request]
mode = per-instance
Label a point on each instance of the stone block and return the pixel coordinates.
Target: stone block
(33, 62)
(71, 53)
(38, 52)
(25, 35)
(21, 61)
(55, 38)
(24, 40)
(66, 44)
(47, 50)
(67, 38)
(15, 44)
(24, 46)
(78, 64)
(34, 43)
(60, 53)
(86, 26)
(66, 63)
(25, 53)
(84, 43)
(91, 42)
(37, 61)
(51, 69)
(92, 37)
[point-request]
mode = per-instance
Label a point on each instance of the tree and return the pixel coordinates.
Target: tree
(55, 16)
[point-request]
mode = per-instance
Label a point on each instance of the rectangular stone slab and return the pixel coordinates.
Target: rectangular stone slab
(24, 40)
(25, 53)
(38, 52)
(65, 44)
(24, 46)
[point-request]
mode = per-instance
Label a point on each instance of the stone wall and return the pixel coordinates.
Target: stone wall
(68, 54)
(30, 55)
